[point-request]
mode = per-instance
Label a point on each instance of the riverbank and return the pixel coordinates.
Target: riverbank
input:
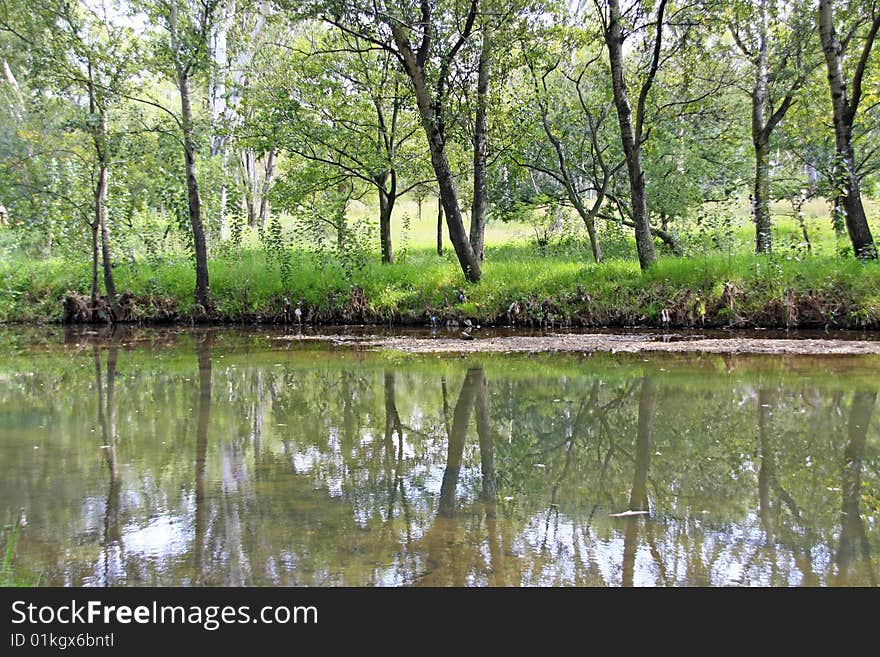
(593, 343)
(518, 289)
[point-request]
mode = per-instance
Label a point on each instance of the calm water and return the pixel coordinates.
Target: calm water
(230, 458)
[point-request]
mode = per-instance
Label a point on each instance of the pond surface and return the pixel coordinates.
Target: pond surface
(221, 457)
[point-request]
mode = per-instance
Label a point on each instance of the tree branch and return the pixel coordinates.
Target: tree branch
(860, 67)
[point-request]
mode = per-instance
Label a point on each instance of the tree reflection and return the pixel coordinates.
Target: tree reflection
(854, 552)
(461, 417)
(638, 497)
(203, 346)
(394, 479)
(438, 472)
(444, 562)
(767, 468)
(112, 537)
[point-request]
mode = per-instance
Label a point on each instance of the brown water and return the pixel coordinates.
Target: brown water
(222, 457)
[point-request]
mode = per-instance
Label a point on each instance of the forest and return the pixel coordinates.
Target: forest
(584, 163)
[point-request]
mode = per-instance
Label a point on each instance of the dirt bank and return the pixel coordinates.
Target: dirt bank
(606, 343)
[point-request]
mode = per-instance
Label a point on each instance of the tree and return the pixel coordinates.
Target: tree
(331, 99)
(434, 43)
(432, 108)
(846, 94)
(82, 54)
(569, 147)
(663, 31)
(106, 65)
(805, 155)
(239, 34)
(182, 55)
(631, 130)
(574, 133)
(773, 37)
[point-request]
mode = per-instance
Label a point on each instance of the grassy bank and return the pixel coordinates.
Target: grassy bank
(518, 288)
(720, 282)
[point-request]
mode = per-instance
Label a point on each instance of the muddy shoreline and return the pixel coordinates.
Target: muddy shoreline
(428, 340)
(591, 342)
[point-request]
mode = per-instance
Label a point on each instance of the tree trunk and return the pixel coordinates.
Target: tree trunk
(249, 168)
(631, 142)
(856, 220)
(588, 217)
(439, 227)
(217, 97)
(101, 218)
(267, 185)
(94, 291)
(222, 219)
(99, 135)
(468, 260)
(16, 107)
(202, 291)
(761, 199)
(844, 110)
(761, 142)
(101, 210)
(480, 203)
(470, 263)
(669, 239)
(387, 197)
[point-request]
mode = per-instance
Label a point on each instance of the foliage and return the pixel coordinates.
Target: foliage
(336, 108)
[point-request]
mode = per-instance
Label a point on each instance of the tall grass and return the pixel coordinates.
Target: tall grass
(9, 577)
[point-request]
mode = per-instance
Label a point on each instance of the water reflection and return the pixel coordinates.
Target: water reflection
(442, 542)
(112, 543)
(203, 353)
(247, 460)
(853, 537)
(638, 496)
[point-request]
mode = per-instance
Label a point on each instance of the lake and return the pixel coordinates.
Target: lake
(194, 457)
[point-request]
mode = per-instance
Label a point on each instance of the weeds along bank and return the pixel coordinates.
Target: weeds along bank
(518, 288)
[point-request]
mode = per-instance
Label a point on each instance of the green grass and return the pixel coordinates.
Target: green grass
(719, 283)
(9, 577)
